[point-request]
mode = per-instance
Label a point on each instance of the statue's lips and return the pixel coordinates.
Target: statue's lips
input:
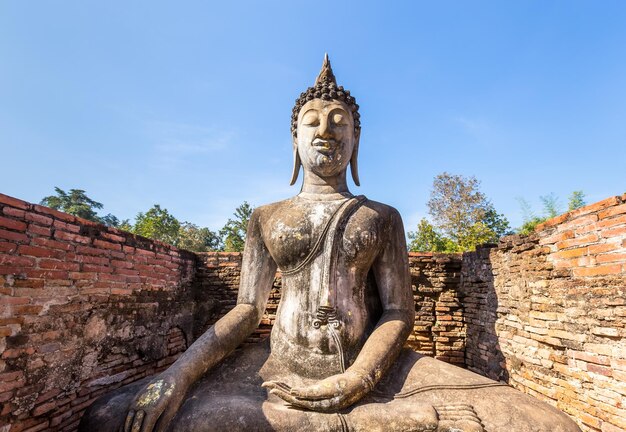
(324, 146)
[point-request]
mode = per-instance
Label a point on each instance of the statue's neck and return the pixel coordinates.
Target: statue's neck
(325, 187)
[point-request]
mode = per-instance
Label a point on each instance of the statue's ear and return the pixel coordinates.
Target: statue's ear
(354, 163)
(296, 162)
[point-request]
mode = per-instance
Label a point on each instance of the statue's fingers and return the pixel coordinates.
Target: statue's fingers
(167, 416)
(314, 392)
(276, 385)
(286, 396)
(128, 424)
(324, 405)
(149, 421)
(138, 420)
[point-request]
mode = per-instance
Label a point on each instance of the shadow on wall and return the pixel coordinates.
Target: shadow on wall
(483, 354)
(439, 328)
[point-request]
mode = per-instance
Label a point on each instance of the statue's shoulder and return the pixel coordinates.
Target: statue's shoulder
(382, 211)
(268, 210)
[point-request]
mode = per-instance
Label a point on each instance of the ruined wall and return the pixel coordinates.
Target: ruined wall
(547, 313)
(83, 309)
(439, 329)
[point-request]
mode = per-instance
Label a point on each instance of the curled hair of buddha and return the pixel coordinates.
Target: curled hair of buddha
(325, 88)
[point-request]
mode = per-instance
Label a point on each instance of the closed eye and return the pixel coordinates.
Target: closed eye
(311, 119)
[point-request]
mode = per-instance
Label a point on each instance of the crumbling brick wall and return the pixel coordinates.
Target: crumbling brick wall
(547, 313)
(83, 309)
(439, 329)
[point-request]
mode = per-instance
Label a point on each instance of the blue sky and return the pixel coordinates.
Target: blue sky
(187, 104)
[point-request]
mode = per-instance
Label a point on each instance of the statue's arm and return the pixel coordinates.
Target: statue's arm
(257, 275)
(391, 270)
(157, 403)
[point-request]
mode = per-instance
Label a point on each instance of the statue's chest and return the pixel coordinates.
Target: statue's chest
(293, 234)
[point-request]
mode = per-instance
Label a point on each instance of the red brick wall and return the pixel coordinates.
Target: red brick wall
(547, 313)
(439, 329)
(83, 309)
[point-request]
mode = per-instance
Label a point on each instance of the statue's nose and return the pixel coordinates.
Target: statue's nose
(324, 130)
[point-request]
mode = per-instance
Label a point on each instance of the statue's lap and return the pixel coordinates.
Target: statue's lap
(230, 397)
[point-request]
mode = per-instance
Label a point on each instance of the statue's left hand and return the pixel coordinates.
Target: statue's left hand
(330, 394)
(156, 404)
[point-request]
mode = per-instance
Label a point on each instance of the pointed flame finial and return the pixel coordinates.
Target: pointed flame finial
(326, 74)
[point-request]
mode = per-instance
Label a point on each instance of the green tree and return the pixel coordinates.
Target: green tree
(551, 205)
(113, 221)
(462, 214)
(157, 224)
(551, 208)
(576, 200)
(428, 239)
(192, 237)
(74, 202)
(234, 232)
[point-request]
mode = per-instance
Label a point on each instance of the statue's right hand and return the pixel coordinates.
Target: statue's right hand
(155, 404)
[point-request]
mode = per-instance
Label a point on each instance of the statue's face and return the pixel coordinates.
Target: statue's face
(326, 137)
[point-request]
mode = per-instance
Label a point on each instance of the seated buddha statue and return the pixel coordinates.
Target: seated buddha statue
(335, 359)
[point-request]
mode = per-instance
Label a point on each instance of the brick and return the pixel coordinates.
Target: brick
(7, 247)
(602, 370)
(604, 247)
(605, 331)
(13, 202)
(557, 237)
(58, 265)
(114, 237)
(577, 222)
(612, 211)
(83, 276)
(53, 244)
(39, 230)
(614, 232)
(552, 222)
(16, 261)
(67, 236)
(44, 408)
(40, 252)
(97, 268)
(605, 258)
(10, 235)
(107, 245)
(590, 358)
(12, 224)
(582, 240)
(14, 300)
(46, 274)
(597, 206)
(571, 253)
(27, 309)
(87, 250)
(10, 211)
(39, 219)
(66, 226)
(598, 270)
(607, 223)
(54, 213)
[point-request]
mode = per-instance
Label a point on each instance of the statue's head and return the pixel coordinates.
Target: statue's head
(325, 128)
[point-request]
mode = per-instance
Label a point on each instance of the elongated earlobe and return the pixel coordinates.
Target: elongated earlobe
(354, 161)
(296, 165)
